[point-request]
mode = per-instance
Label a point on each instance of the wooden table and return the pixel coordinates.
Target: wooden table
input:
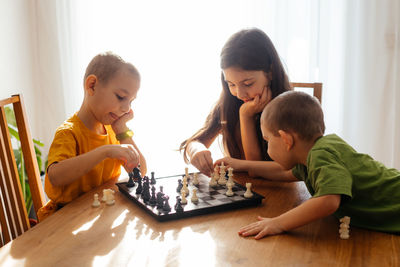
(124, 235)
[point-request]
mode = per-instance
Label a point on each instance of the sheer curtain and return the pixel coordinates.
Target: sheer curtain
(176, 46)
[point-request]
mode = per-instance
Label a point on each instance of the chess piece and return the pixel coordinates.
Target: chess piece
(153, 199)
(146, 190)
(229, 193)
(166, 206)
(96, 202)
(213, 180)
(344, 227)
(160, 198)
(131, 182)
(222, 168)
(153, 180)
(110, 197)
(103, 199)
(139, 188)
(222, 180)
(194, 198)
(195, 179)
(185, 188)
(230, 179)
(136, 173)
(186, 171)
(184, 200)
(180, 185)
(248, 193)
(178, 206)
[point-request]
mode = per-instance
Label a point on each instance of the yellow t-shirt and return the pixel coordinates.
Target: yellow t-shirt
(71, 139)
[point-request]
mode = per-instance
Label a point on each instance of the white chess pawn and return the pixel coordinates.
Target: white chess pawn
(229, 193)
(194, 198)
(183, 194)
(186, 171)
(248, 193)
(110, 197)
(195, 179)
(96, 202)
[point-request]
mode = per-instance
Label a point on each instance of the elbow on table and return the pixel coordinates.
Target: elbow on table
(332, 203)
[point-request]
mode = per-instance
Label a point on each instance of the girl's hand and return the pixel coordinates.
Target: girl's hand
(119, 126)
(257, 105)
(264, 227)
(236, 164)
(203, 161)
(126, 153)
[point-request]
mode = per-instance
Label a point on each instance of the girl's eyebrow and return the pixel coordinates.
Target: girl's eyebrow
(245, 80)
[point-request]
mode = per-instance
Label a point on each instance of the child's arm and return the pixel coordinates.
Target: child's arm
(311, 210)
(266, 169)
(66, 171)
(248, 125)
(200, 156)
(119, 126)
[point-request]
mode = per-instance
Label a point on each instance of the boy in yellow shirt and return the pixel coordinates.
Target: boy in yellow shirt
(89, 148)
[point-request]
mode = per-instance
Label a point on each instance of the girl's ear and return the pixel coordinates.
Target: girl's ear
(90, 84)
(287, 139)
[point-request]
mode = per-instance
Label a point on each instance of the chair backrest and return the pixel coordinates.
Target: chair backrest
(317, 88)
(13, 214)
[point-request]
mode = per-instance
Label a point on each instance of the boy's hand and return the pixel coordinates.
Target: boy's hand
(119, 126)
(230, 162)
(203, 161)
(126, 153)
(255, 106)
(264, 227)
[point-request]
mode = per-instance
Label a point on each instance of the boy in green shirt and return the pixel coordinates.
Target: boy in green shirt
(341, 181)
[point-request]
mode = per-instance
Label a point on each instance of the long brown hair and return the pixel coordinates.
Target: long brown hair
(249, 49)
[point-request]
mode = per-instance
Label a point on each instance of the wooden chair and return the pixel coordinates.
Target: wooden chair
(13, 214)
(317, 88)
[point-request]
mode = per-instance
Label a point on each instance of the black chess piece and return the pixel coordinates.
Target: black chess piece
(139, 188)
(146, 189)
(136, 174)
(130, 183)
(153, 200)
(160, 198)
(178, 205)
(180, 185)
(153, 180)
(166, 206)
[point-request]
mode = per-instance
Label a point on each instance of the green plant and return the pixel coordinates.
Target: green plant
(12, 126)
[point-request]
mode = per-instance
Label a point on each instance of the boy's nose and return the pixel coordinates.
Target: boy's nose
(125, 108)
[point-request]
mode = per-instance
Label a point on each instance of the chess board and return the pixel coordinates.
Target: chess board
(211, 199)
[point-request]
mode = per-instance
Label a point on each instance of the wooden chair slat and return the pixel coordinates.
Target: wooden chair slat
(317, 88)
(14, 201)
(14, 219)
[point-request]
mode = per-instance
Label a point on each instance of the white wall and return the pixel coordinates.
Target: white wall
(16, 52)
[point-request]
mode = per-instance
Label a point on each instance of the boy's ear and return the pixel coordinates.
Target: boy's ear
(287, 139)
(90, 84)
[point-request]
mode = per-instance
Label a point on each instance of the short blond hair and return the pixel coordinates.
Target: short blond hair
(105, 65)
(295, 112)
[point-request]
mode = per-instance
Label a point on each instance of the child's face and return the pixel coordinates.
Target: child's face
(277, 149)
(112, 100)
(245, 84)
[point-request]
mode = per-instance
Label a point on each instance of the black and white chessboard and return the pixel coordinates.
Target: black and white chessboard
(210, 199)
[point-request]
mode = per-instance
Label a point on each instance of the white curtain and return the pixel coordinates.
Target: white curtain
(352, 47)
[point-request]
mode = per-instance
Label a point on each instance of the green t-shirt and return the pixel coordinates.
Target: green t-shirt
(370, 192)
